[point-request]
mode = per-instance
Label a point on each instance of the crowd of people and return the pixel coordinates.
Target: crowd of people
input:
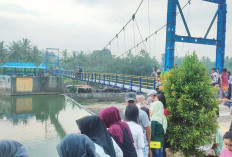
(142, 128)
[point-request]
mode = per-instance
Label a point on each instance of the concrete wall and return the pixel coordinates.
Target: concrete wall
(5, 84)
(97, 97)
(41, 85)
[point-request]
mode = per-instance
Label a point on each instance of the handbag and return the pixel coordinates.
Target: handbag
(154, 144)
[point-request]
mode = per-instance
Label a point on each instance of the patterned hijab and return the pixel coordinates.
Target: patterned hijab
(112, 120)
(94, 128)
(157, 109)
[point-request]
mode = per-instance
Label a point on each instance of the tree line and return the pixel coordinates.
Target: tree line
(97, 61)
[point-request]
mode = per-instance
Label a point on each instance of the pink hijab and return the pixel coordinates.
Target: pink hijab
(112, 120)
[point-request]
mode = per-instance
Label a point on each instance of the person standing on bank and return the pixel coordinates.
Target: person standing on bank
(143, 121)
(94, 128)
(131, 117)
(158, 127)
(119, 130)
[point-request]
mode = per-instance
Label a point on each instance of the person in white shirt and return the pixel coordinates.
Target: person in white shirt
(214, 77)
(131, 117)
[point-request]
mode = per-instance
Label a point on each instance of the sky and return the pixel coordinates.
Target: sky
(87, 25)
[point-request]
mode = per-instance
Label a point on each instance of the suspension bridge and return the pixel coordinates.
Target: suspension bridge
(174, 9)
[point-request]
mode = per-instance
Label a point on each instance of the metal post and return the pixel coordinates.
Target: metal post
(154, 84)
(99, 78)
(109, 80)
(116, 81)
(140, 85)
(85, 76)
(95, 77)
(103, 79)
(88, 78)
(221, 35)
(170, 35)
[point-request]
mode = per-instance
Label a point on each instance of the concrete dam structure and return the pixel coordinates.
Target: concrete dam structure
(24, 85)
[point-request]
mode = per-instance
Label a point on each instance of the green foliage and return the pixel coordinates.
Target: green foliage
(192, 106)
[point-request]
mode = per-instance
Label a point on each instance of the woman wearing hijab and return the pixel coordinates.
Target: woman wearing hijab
(10, 148)
(161, 97)
(76, 145)
(94, 128)
(158, 127)
(119, 130)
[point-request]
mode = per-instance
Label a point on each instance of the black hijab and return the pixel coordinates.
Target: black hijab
(95, 129)
(76, 145)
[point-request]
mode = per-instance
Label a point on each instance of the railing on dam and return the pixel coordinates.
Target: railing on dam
(129, 82)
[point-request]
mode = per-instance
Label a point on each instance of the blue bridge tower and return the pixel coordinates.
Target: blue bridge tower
(172, 37)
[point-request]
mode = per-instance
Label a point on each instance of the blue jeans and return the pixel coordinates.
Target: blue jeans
(157, 152)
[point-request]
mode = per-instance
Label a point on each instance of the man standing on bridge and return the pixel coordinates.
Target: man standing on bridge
(156, 72)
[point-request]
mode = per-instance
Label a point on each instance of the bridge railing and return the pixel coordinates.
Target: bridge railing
(115, 80)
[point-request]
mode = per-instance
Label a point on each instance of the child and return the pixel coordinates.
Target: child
(227, 151)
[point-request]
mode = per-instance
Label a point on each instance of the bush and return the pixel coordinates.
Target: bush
(192, 107)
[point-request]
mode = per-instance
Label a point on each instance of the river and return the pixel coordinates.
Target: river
(38, 122)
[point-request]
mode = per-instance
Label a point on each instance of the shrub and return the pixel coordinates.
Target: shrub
(192, 106)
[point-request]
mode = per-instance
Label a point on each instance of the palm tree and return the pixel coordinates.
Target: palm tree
(3, 53)
(14, 52)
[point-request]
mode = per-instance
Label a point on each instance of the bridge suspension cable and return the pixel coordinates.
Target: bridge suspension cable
(123, 28)
(154, 33)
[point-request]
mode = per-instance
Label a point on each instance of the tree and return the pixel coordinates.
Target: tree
(35, 56)
(25, 49)
(3, 53)
(14, 52)
(192, 106)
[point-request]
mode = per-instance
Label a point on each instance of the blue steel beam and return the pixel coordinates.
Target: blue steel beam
(213, 1)
(211, 24)
(195, 40)
(221, 35)
(183, 19)
(170, 35)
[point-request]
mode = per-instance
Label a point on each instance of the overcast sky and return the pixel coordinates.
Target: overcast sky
(87, 25)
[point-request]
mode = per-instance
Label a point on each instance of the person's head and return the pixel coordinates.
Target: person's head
(228, 140)
(213, 70)
(76, 145)
(217, 70)
(79, 66)
(224, 70)
(131, 113)
(147, 111)
(95, 129)
(150, 100)
(154, 68)
(140, 99)
(157, 109)
(10, 148)
(89, 124)
(110, 115)
(161, 97)
(130, 98)
(152, 93)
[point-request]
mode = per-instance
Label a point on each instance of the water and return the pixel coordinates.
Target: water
(38, 122)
